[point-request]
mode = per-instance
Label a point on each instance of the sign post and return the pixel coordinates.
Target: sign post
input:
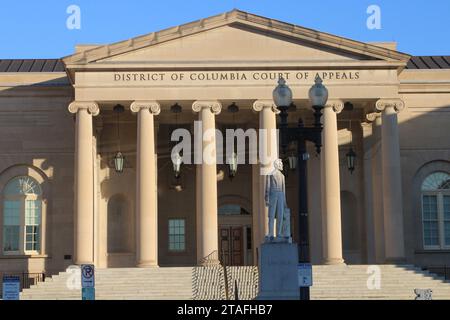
(87, 282)
(11, 288)
(305, 278)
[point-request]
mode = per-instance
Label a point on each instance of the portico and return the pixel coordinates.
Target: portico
(186, 65)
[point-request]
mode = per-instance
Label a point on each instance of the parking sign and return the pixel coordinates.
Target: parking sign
(87, 276)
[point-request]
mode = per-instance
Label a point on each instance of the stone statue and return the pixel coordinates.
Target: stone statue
(275, 198)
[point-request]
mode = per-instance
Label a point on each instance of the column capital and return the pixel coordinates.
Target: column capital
(214, 105)
(336, 104)
(372, 116)
(90, 106)
(153, 106)
(259, 105)
(397, 104)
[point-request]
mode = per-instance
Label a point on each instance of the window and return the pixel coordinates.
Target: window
(22, 216)
(436, 211)
(177, 240)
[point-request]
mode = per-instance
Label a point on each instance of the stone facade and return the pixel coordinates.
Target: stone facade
(59, 128)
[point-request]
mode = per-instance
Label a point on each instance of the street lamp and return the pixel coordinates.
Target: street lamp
(318, 96)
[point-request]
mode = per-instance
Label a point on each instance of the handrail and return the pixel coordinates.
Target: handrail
(225, 275)
(441, 270)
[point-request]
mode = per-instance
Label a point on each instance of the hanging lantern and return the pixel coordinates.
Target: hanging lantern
(351, 157)
(118, 162)
(177, 161)
(232, 165)
(292, 162)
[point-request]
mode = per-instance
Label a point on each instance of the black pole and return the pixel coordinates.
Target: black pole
(301, 135)
(303, 234)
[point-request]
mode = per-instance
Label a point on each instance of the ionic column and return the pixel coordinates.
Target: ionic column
(374, 185)
(207, 238)
(331, 191)
(268, 153)
(368, 162)
(84, 181)
(392, 184)
(146, 184)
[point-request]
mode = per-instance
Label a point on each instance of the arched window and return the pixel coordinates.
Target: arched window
(22, 216)
(436, 211)
(232, 209)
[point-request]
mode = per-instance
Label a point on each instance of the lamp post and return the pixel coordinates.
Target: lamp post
(318, 96)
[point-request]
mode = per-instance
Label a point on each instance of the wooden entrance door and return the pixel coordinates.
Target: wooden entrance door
(231, 246)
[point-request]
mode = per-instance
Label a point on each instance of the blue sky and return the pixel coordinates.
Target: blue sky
(37, 29)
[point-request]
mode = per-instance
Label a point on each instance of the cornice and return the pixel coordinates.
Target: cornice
(238, 18)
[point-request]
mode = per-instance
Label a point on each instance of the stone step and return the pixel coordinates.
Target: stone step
(120, 283)
(386, 279)
(330, 282)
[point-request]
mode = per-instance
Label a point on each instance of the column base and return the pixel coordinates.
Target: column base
(147, 264)
(334, 261)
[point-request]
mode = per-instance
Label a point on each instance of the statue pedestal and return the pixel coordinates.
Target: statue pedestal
(278, 275)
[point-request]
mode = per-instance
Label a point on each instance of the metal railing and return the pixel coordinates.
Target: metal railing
(226, 276)
(443, 271)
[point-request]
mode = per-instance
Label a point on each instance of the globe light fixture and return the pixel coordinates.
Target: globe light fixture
(282, 95)
(318, 94)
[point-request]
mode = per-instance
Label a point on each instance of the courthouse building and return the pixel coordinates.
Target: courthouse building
(63, 202)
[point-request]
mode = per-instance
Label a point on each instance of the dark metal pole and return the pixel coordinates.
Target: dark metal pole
(301, 135)
(303, 235)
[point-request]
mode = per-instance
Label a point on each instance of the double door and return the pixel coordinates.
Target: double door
(231, 245)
